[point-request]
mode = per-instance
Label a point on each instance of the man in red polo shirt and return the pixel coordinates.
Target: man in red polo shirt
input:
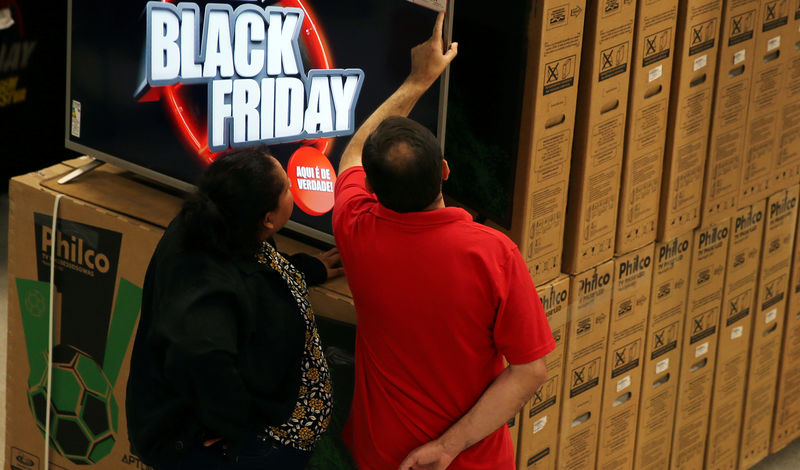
(440, 300)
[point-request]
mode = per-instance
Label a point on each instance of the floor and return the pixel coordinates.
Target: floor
(788, 458)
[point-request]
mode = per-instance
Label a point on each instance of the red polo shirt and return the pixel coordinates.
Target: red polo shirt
(440, 301)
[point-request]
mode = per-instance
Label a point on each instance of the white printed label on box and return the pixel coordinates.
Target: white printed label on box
(737, 332)
(771, 315)
(76, 119)
(700, 62)
(662, 365)
(623, 383)
(702, 349)
(538, 425)
(739, 57)
(656, 72)
(774, 43)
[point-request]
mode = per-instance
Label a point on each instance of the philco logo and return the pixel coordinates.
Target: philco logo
(781, 208)
(595, 282)
(712, 236)
(742, 27)
(703, 36)
(553, 299)
(631, 267)
(656, 47)
(559, 74)
(746, 222)
(672, 250)
(776, 15)
(73, 250)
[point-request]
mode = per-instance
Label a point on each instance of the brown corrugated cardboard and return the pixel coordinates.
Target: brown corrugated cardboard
(766, 99)
(599, 133)
(541, 415)
(730, 376)
(706, 284)
(663, 352)
(548, 118)
(787, 165)
(786, 426)
(100, 271)
(729, 117)
(768, 320)
(646, 128)
(693, 77)
(633, 274)
(587, 332)
(514, 429)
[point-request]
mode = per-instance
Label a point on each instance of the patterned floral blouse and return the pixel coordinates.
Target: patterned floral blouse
(312, 413)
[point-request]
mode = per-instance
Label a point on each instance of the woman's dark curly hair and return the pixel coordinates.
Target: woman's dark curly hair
(234, 195)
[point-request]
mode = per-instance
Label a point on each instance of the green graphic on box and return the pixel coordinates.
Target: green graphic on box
(83, 411)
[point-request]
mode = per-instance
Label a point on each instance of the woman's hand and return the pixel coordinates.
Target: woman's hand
(332, 262)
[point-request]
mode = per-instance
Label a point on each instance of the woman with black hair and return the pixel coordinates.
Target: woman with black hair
(227, 369)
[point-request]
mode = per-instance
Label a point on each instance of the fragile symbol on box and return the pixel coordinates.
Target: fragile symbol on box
(613, 61)
(703, 325)
(559, 74)
(739, 307)
(742, 27)
(703, 36)
(545, 396)
(664, 340)
(626, 358)
(656, 47)
(584, 377)
(775, 15)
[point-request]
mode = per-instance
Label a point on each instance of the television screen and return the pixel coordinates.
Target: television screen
(164, 88)
(482, 141)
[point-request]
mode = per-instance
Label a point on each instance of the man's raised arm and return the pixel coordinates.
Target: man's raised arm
(428, 61)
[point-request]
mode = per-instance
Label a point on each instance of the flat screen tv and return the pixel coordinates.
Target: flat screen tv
(163, 88)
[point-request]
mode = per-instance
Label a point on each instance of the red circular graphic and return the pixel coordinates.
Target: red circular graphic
(312, 177)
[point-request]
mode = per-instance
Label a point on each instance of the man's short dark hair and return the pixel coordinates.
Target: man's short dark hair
(403, 162)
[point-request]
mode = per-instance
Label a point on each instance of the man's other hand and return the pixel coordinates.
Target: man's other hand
(429, 59)
(431, 456)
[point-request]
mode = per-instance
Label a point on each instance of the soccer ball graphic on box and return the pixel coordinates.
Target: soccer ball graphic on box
(83, 414)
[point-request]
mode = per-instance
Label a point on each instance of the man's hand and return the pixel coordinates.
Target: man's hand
(429, 59)
(431, 456)
(332, 262)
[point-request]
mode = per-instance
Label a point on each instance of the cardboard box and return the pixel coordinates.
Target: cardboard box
(648, 105)
(633, 275)
(787, 171)
(731, 98)
(692, 93)
(101, 258)
(786, 426)
(599, 134)
(766, 100)
(513, 429)
(738, 302)
(109, 225)
(706, 284)
(587, 332)
(768, 320)
(548, 118)
(663, 352)
(541, 415)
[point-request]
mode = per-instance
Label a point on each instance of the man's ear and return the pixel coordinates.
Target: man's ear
(368, 185)
(445, 170)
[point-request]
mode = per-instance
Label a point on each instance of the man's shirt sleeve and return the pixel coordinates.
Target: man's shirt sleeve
(521, 331)
(351, 199)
